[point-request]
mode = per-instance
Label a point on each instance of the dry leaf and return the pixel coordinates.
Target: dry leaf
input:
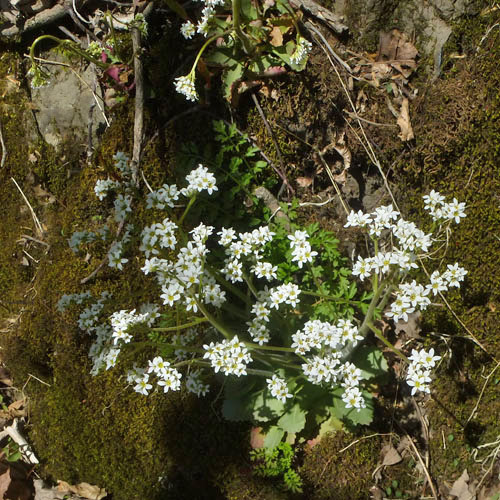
(256, 438)
(41, 193)
(410, 328)
(304, 182)
(5, 481)
(343, 150)
(461, 489)
(391, 455)
(84, 490)
(404, 122)
(276, 37)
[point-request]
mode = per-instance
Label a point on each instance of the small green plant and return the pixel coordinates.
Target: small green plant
(104, 54)
(240, 170)
(255, 40)
(277, 462)
(11, 451)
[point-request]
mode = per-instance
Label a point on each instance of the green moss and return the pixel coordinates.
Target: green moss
(346, 475)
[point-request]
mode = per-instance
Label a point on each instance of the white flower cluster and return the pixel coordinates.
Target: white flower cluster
(120, 323)
(185, 85)
(278, 388)
(439, 209)
(301, 248)
(79, 237)
(330, 370)
(195, 384)
(318, 334)
(303, 48)
(231, 357)
(160, 234)
(199, 179)
(411, 297)
(167, 377)
(102, 186)
(418, 377)
(165, 196)
(72, 298)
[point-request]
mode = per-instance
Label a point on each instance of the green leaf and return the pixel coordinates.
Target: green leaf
(370, 360)
(273, 437)
(224, 56)
(266, 408)
(294, 420)
(351, 416)
(14, 457)
(332, 424)
(229, 78)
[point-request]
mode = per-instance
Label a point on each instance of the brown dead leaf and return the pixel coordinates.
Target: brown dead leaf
(44, 196)
(461, 489)
(404, 122)
(390, 455)
(256, 438)
(276, 37)
(304, 182)
(5, 481)
(395, 46)
(342, 149)
(84, 490)
(410, 328)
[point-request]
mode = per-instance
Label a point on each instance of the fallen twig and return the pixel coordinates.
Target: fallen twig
(139, 103)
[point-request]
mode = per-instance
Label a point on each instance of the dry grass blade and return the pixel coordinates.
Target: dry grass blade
(482, 392)
(426, 470)
(38, 226)
(4, 149)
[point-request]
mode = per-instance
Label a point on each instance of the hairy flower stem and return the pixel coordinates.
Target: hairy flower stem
(245, 41)
(218, 326)
(180, 327)
(381, 337)
(251, 371)
(186, 210)
(371, 309)
(268, 347)
(67, 44)
(251, 286)
(333, 299)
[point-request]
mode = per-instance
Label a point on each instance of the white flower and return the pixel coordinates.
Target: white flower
(454, 274)
(185, 85)
(142, 385)
(188, 30)
(362, 268)
(454, 210)
(278, 388)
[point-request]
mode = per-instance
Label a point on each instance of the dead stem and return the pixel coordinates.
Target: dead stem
(4, 149)
(481, 393)
(38, 226)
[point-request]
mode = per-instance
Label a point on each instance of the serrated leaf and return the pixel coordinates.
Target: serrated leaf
(273, 437)
(294, 420)
(229, 79)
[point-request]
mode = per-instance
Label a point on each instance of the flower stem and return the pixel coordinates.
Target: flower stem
(381, 337)
(180, 327)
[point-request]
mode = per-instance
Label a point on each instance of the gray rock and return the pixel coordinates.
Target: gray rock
(62, 107)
